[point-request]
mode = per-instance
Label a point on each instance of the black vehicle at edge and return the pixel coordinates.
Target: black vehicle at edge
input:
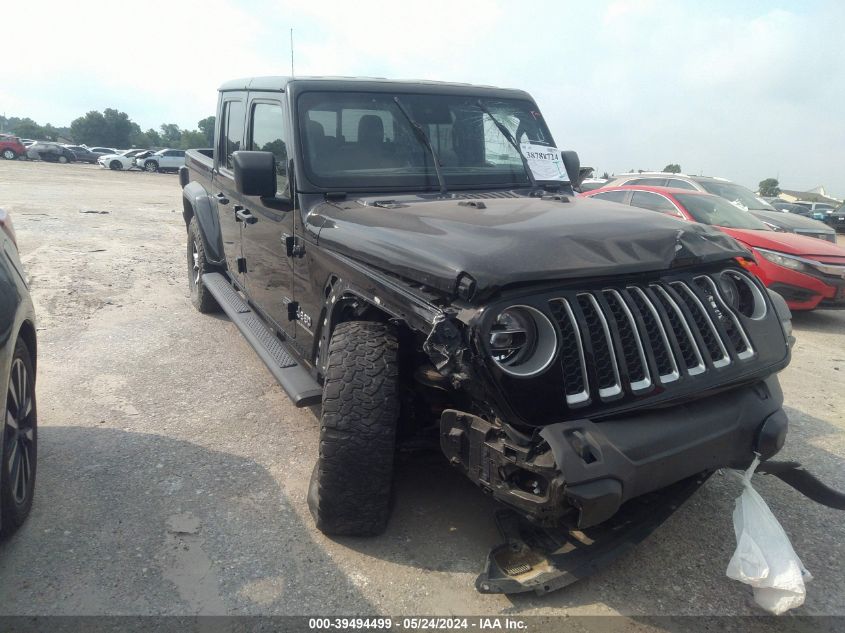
(408, 273)
(18, 442)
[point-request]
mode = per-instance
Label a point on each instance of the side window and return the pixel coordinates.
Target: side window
(653, 202)
(648, 182)
(612, 196)
(680, 184)
(233, 131)
(179, 152)
(268, 135)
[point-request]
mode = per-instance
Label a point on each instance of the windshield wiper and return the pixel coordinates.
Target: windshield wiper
(423, 137)
(506, 133)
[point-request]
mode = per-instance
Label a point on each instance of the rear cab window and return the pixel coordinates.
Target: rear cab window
(232, 130)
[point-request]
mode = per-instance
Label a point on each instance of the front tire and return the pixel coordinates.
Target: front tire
(115, 165)
(198, 265)
(9, 154)
(63, 160)
(151, 166)
(350, 487)
(19, 443)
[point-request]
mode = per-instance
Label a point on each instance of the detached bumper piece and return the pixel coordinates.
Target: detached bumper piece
(545, 559)
(793, 474)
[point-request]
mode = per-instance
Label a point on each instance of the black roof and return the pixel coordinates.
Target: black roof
(281, 83)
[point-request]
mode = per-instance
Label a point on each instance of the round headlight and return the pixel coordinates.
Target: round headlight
(729, 290)
(741, 294)
(522, 341)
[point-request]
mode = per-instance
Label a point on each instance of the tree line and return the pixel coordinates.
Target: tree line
(112, 128)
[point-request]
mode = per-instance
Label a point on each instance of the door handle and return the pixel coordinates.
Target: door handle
(222, 199)
(243, 215)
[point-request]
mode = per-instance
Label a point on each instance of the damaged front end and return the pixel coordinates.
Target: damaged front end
(653, 385)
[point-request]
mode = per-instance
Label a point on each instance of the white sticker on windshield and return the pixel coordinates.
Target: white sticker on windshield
(545, 162)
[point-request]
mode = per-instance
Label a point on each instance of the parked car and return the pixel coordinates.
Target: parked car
(123, 160)
(837, 218)
(27, 142)
(18, 442)
(102, 151)
(50, 152)
(565, 354)
(735, 194)
(162, 160)
(589, 184)
(798, 209)
(824, 207)
(807, 272)
(83, 154)
(11, 147)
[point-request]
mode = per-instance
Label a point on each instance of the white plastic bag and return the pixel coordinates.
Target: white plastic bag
(764, 557)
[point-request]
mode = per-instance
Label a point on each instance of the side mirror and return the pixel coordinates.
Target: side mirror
(573, 167)
(255, 173)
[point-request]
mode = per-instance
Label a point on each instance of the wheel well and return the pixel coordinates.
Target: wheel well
(351, 307)
(341, 307)
(27, 333)
(187, 211)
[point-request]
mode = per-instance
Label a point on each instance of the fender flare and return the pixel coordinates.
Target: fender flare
(380, 299)
(198, 204)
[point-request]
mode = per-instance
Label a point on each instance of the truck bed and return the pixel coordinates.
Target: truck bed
(200, 162)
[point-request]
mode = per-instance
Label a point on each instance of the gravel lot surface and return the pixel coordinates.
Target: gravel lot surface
(173, 470)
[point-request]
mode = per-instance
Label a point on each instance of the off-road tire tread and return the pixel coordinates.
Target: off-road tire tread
(351, 485)
(201, 298)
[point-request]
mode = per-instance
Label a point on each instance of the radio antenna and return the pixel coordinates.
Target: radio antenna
(291, 53)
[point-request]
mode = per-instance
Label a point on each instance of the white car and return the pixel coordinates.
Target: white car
(163, 160)
(123, 160)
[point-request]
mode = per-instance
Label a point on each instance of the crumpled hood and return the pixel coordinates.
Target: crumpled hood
(506, 241)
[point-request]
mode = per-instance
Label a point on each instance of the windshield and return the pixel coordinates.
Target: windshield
(364, 141)
(735, 193)
(718, 212)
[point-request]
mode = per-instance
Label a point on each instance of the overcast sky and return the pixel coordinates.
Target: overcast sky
(744, 90)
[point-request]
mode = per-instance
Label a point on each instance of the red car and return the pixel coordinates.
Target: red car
(11, 147)
(809, 273)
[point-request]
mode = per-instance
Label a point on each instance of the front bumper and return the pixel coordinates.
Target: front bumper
(802, 291)
(579, 472)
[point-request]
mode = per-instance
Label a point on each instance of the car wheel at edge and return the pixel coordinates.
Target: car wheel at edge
(62, 159)
(151, 166)
(9, 154)
(115, 164)
(19, 442)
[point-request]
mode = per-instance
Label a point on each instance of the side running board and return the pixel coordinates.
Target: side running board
(297, 382)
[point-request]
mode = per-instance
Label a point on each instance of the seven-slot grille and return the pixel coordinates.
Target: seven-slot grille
(631, 339)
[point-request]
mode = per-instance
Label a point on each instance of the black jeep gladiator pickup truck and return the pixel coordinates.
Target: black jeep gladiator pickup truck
(414, 258)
